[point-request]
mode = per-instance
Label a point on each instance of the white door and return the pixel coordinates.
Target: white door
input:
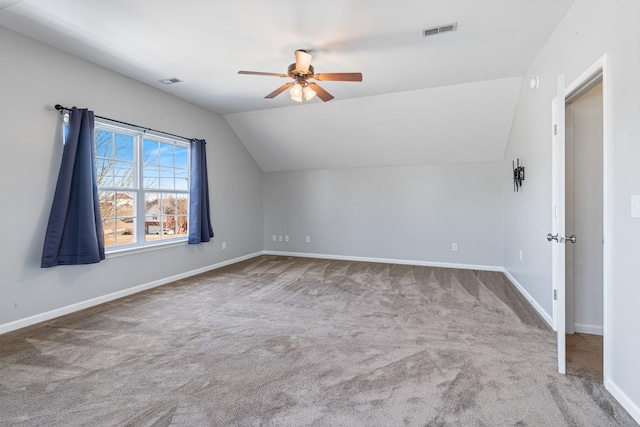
(558, 222)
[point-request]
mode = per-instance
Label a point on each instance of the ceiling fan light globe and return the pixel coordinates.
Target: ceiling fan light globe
(308, 93)
(296, 92)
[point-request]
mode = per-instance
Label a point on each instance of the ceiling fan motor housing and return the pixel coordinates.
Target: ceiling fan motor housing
(294, 73)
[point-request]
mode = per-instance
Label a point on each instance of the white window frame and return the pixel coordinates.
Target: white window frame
(139, 136)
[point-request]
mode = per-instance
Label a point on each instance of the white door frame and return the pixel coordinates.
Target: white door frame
(558, 222)
(600, 66)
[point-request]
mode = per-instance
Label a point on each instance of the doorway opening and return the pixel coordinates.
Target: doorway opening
(584, 189)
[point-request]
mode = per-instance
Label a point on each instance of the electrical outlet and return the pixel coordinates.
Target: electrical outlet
(280, 238)
(274, 238)
(307, 239)
(454, 247)
(224, 245)
(286, 238)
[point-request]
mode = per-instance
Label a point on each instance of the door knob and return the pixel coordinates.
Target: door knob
(562, 238)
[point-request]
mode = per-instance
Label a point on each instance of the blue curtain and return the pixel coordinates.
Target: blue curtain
(200, 229)
(74, 233)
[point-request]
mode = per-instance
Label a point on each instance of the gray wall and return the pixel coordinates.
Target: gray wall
(590, 29)
(35, 76)
(411, 213)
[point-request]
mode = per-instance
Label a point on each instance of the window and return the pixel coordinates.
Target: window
(143, 186)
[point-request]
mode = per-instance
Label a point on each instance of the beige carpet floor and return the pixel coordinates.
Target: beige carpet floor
(300, 342)
(585, 355)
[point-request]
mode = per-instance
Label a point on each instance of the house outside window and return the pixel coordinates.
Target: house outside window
(143, 186)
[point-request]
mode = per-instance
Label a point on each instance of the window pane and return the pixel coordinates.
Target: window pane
(152, 205)
(123, 147)
(150, 152)
(123, 174)
(152, 228)
(182, 157)
(104, 173)
(167, 181)
(182, 225)
(169, 204)
(166, 155)
(106, 200)
(108, 229)
(166, 184)
(125, 234)
(183, 204)
(153, 217)
(104, 143)
(125, 205)
(151, 182)
(182, 180)
(151, 177)
(169, 226)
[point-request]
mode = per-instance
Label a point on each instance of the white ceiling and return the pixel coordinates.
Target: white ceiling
(205, 43)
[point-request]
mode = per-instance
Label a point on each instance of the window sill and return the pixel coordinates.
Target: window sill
(114, 253)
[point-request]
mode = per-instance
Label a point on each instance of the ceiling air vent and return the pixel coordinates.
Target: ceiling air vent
(438, 30)
(170, 81)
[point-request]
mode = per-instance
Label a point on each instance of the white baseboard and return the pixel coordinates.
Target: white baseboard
(623, 399)
(547, 318)
(42, 317)
(588, 329)
(387, 261)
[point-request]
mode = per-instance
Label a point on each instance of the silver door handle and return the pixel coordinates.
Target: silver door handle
(562, 238)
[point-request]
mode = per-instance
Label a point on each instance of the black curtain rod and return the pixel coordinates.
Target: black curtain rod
(61, 109)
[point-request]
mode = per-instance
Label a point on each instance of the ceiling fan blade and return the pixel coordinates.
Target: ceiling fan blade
(260, 73)
(340, 77)
(322, 94)
(303, 60)
(279, 90)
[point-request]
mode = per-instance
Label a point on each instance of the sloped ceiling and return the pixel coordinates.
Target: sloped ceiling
(453, 124)
(447, 98)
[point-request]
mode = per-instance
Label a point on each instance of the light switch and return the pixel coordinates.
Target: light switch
(635, 206)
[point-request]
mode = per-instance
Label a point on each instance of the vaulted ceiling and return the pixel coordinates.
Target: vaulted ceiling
(447, 98)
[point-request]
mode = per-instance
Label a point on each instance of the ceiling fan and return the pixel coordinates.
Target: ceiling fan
(301, 71)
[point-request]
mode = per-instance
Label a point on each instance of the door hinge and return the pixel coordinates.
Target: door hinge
(555, 129)
(555, 294)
